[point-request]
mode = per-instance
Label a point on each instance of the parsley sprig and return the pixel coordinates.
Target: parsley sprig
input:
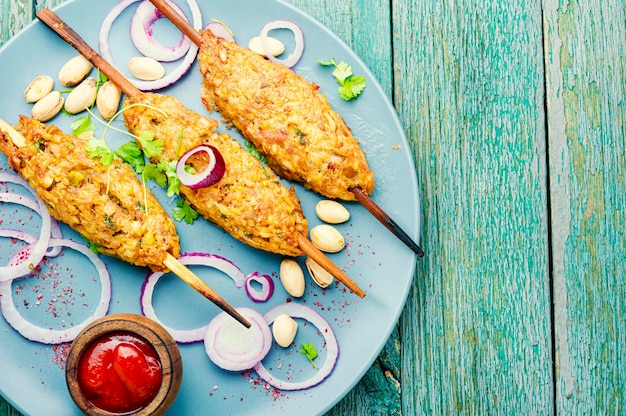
(350, 85)
(135, 154)
(310, 352)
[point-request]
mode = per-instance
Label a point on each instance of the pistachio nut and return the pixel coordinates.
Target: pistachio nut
(48, 106)
(292, 277)
(38, 88)
(146, 68)
(331, 212)
(274, 46)
(74, 71)
(108, 100)
(81, 97)
(327, 238)
(318, 273)
(284, 330)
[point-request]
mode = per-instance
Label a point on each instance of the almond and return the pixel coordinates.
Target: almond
(284, 330)
(331, 212)
(274, 46)
(146, 68)
(292, 277)
(327, 238)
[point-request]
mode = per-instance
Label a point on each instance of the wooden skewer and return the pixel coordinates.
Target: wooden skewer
(170, 261)
(50, 19)
(359, 194)
(385, 219)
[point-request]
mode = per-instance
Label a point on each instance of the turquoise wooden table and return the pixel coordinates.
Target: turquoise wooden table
(516, 115)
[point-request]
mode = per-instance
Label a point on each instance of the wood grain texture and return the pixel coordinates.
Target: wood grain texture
(586, 85)
(378, 393)
(476, 334)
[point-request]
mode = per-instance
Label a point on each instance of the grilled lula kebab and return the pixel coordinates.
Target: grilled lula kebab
(249, 201)
(108, 205)
(286, 118)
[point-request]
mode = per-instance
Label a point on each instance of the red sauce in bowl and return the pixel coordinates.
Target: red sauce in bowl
(119, 372)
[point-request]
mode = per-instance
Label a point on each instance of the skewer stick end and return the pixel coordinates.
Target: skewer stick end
(369, 204)
(196, 283)
(15, 136)
(321, 259)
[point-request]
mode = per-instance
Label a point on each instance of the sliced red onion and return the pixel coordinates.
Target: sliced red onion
(212, 174)
(47, 335)
(294, 56)
(202, 259)
(141, 34)
(267, 287)
(39, 248)
(221, 31)
(232, 346)
(55, 230)
(171, 77)
(297, 310)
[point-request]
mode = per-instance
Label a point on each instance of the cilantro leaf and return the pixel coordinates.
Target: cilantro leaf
(350, 86)
(150, 146)
(255, 152)
(102, 78)
(310, 352)
(342, 72)
(82, 125)
(169, 169)
(99, 148)
(132, 154)
(152, 172)
(184, 211)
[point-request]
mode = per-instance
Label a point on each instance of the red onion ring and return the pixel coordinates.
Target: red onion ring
(267, 287)
(141, 34)
(203, 259)
(297, 310)
(39, 248)
(233, 347)
(55, 230)
(221, 31)
(212, 174)
(47, 335)
(294, 56)
(168, 79)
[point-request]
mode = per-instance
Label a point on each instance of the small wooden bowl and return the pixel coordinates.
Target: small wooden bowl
(166, 349)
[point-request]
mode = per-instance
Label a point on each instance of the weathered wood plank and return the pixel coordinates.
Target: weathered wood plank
(476, 334)
(586, 89)
(378, 393)
(15, 15)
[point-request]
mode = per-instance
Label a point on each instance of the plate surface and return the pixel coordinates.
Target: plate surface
(63, 293)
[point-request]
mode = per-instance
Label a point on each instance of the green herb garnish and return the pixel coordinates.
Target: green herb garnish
(310, 352)
(184, 211)
(82, 125)
(350, 85)
(99, 148)
(150, 146)
(255, 152)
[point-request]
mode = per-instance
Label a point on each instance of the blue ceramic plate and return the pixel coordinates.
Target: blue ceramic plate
(64, 292)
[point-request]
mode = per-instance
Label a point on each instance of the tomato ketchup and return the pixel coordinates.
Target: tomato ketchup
(119, 372)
